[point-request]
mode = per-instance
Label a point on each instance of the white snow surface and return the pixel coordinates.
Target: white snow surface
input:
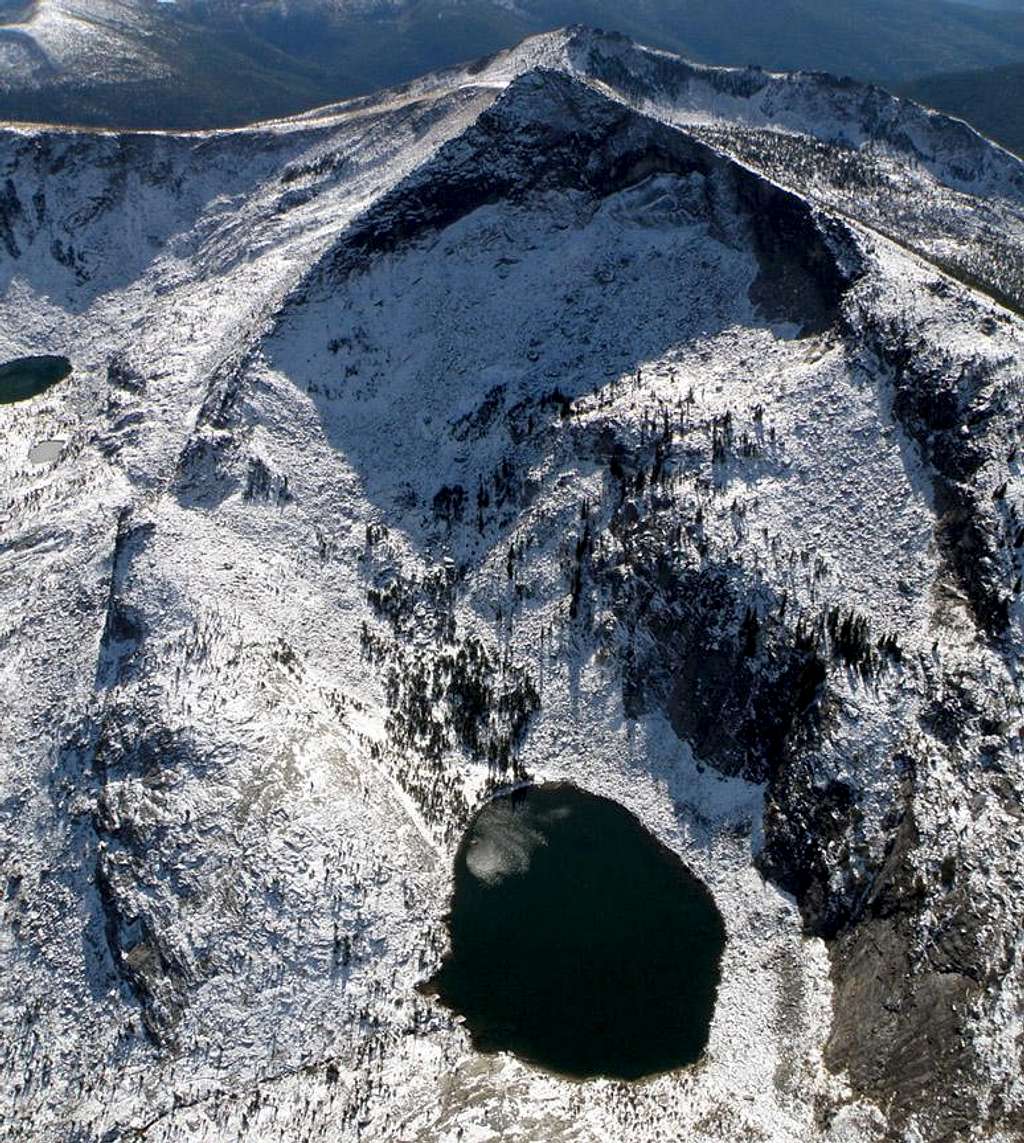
(192, 570)
(77, 40)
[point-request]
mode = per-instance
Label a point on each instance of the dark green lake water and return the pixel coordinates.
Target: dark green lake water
(578, 941)
(29, 376)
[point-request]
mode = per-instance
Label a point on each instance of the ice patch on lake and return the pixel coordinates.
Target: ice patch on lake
(502, 845)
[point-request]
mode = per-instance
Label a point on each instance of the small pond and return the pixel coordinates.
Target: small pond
(578, 941)
(29, 376)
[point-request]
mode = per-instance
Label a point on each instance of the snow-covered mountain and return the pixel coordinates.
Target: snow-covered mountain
(581, 415)
(175, 64)
(44, 40)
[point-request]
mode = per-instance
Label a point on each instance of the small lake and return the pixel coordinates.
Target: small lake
(27, 377)
(578, 941)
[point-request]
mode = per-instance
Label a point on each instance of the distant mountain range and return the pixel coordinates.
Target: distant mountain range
(211, 63)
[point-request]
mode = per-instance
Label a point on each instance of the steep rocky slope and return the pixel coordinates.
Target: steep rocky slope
(510, 425)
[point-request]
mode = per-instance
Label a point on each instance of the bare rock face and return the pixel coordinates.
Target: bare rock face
(571, 417)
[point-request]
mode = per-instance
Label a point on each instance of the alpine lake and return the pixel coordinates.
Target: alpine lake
(578, 941)
(27, 377)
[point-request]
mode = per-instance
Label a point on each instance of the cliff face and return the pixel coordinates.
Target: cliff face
(507, 425)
